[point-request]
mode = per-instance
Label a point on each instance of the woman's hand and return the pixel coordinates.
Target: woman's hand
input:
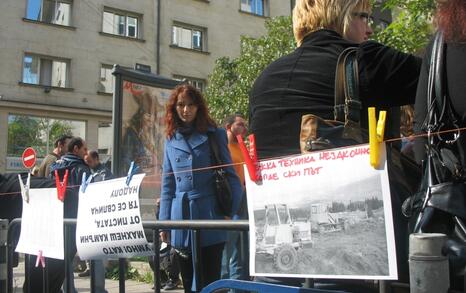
(165, 236)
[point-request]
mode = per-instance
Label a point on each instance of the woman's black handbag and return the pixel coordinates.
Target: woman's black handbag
(222, 186)
(440, 206)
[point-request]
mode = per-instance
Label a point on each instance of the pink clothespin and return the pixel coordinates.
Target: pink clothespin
(61, 186)
(250, 157)
(40, 259)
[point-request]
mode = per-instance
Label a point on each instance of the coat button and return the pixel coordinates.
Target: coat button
(190, 177)
(177, 160)
(178, 178)
(190, 157)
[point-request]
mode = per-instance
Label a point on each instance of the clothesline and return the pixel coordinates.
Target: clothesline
(264, 159)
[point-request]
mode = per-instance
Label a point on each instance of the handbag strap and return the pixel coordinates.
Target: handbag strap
(347, 106)
(215, 154)
(440, 111)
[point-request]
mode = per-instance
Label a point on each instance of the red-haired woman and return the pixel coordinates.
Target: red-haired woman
(188, 187)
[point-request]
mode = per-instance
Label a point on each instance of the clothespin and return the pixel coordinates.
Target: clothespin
(25, 188)
(250, 157)
(376, 135)
(40, 259)
(61, 186)
(133, 169)
(85, 182)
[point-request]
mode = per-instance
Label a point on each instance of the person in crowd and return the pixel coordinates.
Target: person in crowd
(303, 82)
(73, 161)
(236, 252)
(450, 18)
(188, 190)
(60, 147)
(99, 173)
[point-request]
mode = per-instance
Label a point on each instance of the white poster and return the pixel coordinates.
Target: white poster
(322, 215)
(109, 220)
(42, 224)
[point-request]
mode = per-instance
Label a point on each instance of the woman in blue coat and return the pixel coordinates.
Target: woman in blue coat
(188, 184)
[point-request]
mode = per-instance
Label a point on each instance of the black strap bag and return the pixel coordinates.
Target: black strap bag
(440, 206)
(221, 184)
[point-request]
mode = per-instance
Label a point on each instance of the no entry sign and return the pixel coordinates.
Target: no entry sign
(29, 158)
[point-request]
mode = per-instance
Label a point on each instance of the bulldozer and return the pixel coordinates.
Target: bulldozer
(282, 237)
(324, 221)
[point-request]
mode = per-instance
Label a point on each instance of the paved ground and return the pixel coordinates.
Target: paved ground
(83, 284)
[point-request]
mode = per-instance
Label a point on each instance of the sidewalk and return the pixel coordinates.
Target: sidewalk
(83, 284)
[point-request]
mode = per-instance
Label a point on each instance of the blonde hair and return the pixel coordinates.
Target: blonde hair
(312, 15)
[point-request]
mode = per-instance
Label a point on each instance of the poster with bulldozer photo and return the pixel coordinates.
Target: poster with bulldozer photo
(322, 215)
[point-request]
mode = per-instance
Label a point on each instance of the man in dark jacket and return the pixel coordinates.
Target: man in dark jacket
(99, 171)
(73, 161)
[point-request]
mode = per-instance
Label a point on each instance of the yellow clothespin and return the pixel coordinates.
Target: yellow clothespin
(376, 134)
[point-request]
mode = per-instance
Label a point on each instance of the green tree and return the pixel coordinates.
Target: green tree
(23, 131)
(232, 79)
(410, 30)
(26, 131)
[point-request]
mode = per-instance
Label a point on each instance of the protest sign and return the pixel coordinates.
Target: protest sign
(42, 224)
(322, 215)
(109, 220)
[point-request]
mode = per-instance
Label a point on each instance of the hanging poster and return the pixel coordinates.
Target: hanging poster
(322, 215)
(109, 220)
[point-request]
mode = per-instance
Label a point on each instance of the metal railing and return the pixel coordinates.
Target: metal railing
(155, 226)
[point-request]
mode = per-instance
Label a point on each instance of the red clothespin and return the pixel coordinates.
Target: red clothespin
(61, 186)
(40, 259)
(250, 157)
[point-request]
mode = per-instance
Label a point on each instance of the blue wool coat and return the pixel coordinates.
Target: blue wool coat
(188, 194)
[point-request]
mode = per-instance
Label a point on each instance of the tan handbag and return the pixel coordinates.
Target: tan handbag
(318, 133)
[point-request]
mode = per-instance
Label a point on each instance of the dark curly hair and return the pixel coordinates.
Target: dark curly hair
(451, 19)
(202, 120)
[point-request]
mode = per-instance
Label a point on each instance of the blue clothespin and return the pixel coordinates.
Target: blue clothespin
(25, 188)
(85, 182)
(133, 169)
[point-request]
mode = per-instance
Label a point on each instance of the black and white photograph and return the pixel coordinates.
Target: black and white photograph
(319, 223)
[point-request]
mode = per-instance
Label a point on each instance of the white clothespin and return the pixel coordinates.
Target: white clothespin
(25, 188)
(85, 182)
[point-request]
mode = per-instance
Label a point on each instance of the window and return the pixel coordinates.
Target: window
(188, 37)
(196, 82)
(39, 133)
(259, 7)
(107, 80)
(50, 11)
(45, 71)
(121, 23)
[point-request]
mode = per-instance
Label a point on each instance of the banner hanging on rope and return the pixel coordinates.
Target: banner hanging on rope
(322, 215)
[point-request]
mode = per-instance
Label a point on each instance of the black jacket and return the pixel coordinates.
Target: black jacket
(101, 173)
(303, 83)
(74, 164)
